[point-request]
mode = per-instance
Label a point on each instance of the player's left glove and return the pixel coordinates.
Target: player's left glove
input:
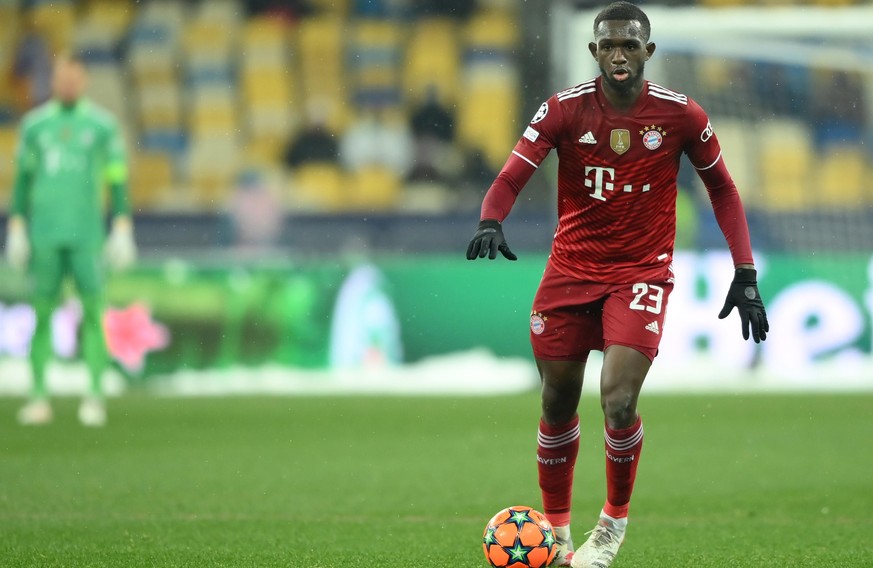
(487, 240)
(744, 294)
(120, 247)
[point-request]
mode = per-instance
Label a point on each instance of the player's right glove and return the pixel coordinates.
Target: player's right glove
(744, 294)
(120, 249)
(17, 244)
(488, 240)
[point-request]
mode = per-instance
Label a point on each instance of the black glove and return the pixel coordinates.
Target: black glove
(744, 294)
(488, 240)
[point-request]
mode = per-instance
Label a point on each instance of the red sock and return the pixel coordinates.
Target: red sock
(557, 447)
(623, 448)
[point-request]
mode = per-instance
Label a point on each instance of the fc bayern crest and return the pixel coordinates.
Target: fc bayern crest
(652, 139)
(537, 323)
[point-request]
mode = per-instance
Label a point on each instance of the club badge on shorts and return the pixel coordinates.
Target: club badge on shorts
(537, 323)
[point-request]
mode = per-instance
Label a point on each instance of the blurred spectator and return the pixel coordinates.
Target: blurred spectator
(255, 212)
(437, 159)
(458, 9)
(377, 138)
(32, 70)
(290, 10)
(315, 143)
(838, 108)
(432, 119)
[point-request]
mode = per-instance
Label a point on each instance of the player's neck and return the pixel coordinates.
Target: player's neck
(622, 100)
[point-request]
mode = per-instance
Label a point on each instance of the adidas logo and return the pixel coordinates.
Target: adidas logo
(653, 327)
(588, 138)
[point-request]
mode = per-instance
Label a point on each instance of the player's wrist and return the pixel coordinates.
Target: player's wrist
(742, 274)
(122, 223)
(16, 223)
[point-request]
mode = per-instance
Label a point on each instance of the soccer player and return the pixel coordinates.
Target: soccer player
(619, 139)
(68, 150)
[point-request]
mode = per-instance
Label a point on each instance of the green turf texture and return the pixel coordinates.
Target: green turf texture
(724, 481)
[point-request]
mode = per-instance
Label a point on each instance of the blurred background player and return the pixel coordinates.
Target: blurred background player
(68, 150)
(619, 140)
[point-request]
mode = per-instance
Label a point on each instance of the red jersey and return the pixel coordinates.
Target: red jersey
(617, 180)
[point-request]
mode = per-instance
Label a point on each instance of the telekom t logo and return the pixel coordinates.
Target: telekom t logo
(598, 184)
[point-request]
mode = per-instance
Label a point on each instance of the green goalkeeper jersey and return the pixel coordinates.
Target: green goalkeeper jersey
(67, 156)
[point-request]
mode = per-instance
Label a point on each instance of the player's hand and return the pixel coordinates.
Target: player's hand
(17, 244)
(744, 294)
(488, 240)
(120, 248)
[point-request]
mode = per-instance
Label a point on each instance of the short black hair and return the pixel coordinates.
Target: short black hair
(624, 11)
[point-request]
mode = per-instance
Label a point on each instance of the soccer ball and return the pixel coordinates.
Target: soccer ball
(519, 537)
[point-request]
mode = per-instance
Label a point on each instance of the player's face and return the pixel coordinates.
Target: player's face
(621, 51)
(68, 81)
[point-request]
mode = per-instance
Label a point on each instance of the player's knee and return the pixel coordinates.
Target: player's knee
(619, 407)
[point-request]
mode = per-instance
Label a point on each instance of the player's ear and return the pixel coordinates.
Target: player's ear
(592, 47)
(650, 49)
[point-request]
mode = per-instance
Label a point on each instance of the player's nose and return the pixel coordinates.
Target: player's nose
(618, 57)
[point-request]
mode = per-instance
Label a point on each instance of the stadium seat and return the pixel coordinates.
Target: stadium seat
(487, 119)
(491, 30)
(432, 61)
(844, 180)
(55, 22)
(785, 155)
(212, 168)
(738, 143)
(319, 187)
(8, 143)
(375, 188)
(152, 178)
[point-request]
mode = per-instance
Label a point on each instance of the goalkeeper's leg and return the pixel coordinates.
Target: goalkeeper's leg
(85, 264)
(46, 273)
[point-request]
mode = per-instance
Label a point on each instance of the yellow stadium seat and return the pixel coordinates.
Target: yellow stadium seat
(319, 186)
(488, 119)
(375, 188)
(432, 60)
(8, 144)
(844, 179)
(785, 155)
(152, 179)
(212, 167)
(738, 151)
(495, 29)
(55, 22)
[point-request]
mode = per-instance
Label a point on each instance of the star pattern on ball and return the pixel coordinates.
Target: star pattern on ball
(519, 518)
(518, 552)
(548, 537)
(489, 538)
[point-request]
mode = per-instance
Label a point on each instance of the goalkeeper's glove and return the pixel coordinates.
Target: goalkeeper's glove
(120, 247)
(744, 294)
(17, 244)
(488, 240)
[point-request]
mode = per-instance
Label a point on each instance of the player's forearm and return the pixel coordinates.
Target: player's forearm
(731, 218)
(20, 194)
(120, 200)
(503, 192)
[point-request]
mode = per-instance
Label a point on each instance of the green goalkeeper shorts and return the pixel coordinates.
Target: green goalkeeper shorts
(50, 265)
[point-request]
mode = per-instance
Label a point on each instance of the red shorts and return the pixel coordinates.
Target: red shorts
(571, 317)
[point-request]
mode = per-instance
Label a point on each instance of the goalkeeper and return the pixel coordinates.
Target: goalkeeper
(69, 150)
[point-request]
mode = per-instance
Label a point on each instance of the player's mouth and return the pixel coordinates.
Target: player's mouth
(620, 74)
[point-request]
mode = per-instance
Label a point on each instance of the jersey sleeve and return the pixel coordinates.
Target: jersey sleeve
(704, 151)
(116, 171)
(540, 136)
(25, 168)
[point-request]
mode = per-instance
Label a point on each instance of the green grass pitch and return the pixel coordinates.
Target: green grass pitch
(724, 481)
